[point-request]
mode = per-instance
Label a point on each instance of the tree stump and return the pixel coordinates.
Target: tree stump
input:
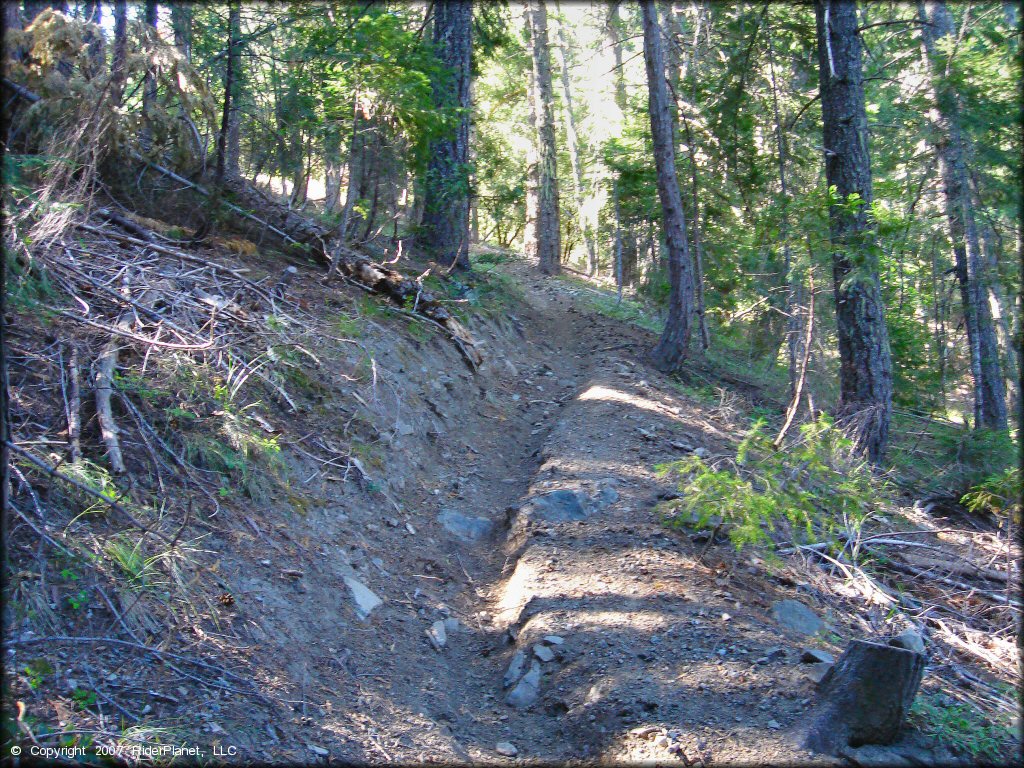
(865, 697)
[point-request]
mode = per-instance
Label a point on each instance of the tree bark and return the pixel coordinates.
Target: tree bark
(986, 373)
(865, 375)
(544, 244)
(865, 697)
(561, 50)
(227, 156)
(672, 348)
(181, 22)
(118, 72)
(446, 214)
(149, 85)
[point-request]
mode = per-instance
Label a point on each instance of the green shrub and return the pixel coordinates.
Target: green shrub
(962, 728)
(816, 484)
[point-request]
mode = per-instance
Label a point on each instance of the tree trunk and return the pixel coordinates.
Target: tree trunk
(181, 23)
(574, 152)
(227, 167)
(234, 77)
(547, 232)
(446, 213)
(118, 72)
(793, 323)
(356, 161)
(865, 374)
(149, 85)
(989, 391)
(332, 167)
(865, 697)
(672, 348)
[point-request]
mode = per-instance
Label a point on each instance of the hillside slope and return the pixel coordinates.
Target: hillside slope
(361, 535)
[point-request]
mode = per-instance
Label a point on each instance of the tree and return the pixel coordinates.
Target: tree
(865, 373)
(573, 142)
(227, 139)
(446, 213)
(149, 91)
(937, 34)
(118, 72)
(672, 347)
(542, 231)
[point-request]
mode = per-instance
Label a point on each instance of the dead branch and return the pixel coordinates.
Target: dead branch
(106, 365)
(116, 506)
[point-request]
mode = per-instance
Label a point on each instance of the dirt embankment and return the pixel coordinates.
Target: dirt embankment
(479, 574)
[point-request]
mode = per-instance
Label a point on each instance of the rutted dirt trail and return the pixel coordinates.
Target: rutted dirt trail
(495, 585)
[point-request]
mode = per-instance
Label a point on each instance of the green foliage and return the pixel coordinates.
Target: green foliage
(816, 486)
(962, 728)
(128, 555)
(84, 698)
(37, 670)
(1000, 494)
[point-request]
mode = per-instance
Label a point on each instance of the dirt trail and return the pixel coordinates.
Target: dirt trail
(520, 509)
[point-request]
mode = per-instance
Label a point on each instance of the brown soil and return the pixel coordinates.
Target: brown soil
(663, 652)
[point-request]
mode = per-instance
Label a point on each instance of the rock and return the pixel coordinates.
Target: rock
(437, 635)
(796, 616)
(365, 599)
(774, 653)
(452, 625)
(910, 640)
(553, 639)
(515, 669)
(818, 671)
(527, 689)
(872, 756)
(318, 750)
(559, 506)
(774, 725)
(543, 653)
(645, 731)
(606, 496)
(662, 741)
(679, 446)
(816, 656)
(701, 453)
(506, 748)
(464, 527)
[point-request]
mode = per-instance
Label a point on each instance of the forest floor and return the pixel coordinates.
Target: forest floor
(502, 519)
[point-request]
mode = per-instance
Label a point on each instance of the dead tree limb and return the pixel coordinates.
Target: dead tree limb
(106, 365)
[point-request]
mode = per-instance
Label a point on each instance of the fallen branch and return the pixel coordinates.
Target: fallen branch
(106, 365)
(921, 573)
(52, 471)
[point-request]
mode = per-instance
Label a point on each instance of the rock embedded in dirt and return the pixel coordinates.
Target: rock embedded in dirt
(772, 654)
(506, 748)
(366, 600)
(774, 725)
(437, 635)
(527, 689)
(818, 671)
(318, 750)
(560, 506)
(543, 653)
(464, 527)
(515, 669)
(452, 625)
(910, 640)
(797, 617)
(553, 639)
(816, 656)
